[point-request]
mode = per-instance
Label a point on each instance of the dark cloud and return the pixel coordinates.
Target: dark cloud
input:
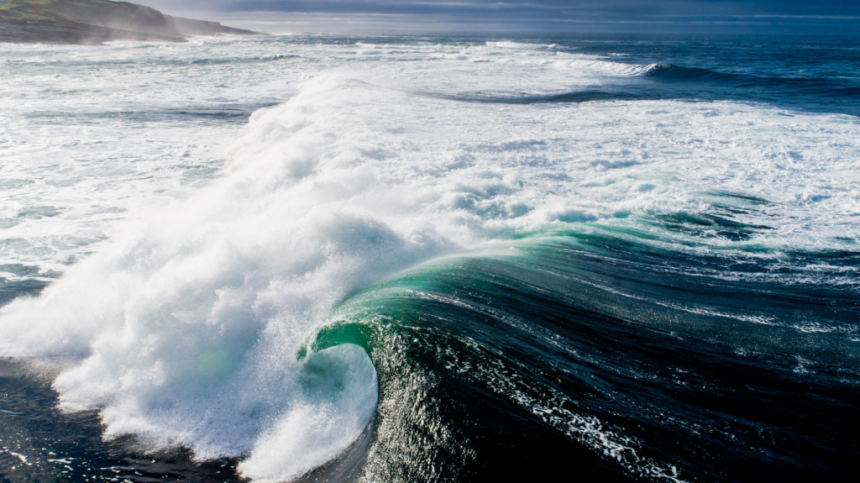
(782, 16)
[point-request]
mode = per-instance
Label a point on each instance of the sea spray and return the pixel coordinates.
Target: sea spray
(186, 329)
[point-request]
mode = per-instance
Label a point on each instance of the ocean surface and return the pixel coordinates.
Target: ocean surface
(422, 259)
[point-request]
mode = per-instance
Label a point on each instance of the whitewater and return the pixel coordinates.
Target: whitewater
(278, 252)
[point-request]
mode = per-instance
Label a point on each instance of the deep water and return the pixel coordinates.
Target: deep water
(321, 258)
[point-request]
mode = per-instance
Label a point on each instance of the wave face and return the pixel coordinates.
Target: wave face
(427, 260)
(534, 351)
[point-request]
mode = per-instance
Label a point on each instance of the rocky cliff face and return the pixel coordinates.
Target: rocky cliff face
(96, 21)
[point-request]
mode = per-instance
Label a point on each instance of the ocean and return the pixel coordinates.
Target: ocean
(431, 258)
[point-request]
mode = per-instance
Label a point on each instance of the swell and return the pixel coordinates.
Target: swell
(819, 85)
(203, 112)
(576, 97)
(674, 82)
(583, 349)
(836, 88)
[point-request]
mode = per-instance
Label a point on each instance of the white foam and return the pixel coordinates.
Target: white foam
(340, 395)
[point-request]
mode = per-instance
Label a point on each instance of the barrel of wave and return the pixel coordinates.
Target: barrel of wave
(338, 401)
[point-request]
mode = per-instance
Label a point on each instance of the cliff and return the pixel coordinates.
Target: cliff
(97, 21)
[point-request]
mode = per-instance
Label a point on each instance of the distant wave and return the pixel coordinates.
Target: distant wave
(673, 82)
(675, 73)
(574, 97)
(670, 73)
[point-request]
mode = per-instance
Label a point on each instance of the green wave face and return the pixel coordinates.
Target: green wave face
(608, 340)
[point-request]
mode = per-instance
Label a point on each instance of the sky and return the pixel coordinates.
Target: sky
(527, 16)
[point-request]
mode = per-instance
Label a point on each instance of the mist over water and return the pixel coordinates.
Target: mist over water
(472, 256)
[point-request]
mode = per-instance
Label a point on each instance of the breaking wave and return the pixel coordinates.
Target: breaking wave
(442, 290)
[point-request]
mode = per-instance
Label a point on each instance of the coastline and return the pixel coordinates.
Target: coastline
(93, 22)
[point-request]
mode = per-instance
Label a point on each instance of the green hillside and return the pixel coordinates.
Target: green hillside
(68, 20)
(94, 12)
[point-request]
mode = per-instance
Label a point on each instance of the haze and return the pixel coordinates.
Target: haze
(527, 16)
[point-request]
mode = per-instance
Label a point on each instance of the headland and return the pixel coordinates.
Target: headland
(92, 22)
